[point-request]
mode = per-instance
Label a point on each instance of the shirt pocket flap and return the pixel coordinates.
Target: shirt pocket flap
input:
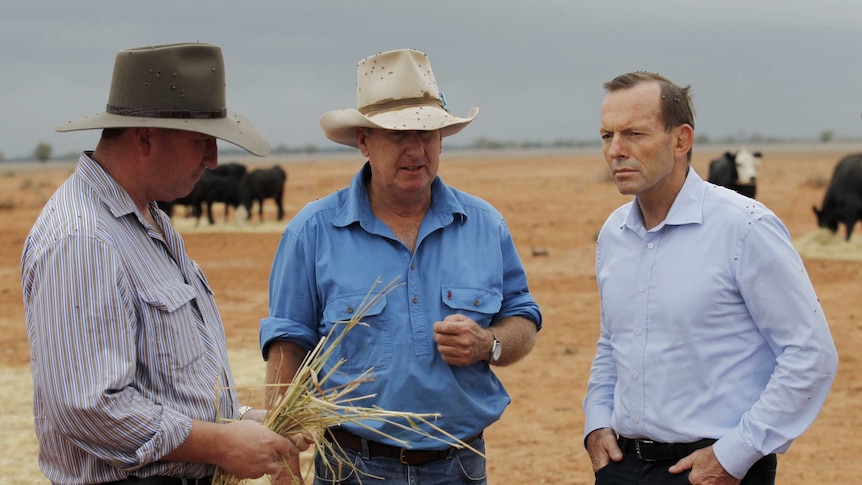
(168, 296)
(343, 308)
(472, 299)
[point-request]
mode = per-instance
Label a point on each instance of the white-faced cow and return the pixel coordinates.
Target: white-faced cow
(736, 171)
(261, 184)
(843, 199)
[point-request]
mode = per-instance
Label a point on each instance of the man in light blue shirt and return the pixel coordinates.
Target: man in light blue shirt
(464, 304)
(714, 352)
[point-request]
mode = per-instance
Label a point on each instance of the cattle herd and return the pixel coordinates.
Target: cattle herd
(235, 186)
(842, 203)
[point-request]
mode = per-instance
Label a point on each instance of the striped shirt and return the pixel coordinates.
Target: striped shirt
(126, 343)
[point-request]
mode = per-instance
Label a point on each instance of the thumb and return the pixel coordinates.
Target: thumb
(615, 454)
(682, 465)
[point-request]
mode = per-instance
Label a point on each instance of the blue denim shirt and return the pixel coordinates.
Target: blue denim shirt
(464, 262)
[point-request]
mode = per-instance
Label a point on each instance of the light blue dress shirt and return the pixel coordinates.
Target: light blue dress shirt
(464, 262)
(710, 328)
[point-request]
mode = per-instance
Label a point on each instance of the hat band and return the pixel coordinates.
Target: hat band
(400, 103)
(165, 113)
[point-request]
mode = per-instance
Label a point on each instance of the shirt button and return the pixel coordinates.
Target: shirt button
(412, 266)
(635, 375)
(475, 302)
(641, 289)
(349, 309)
(649, 245)
(636, 420)
(639, 332)
(415, 299)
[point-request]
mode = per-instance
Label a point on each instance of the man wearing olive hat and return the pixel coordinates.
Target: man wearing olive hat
(130, 371)
(464, 307)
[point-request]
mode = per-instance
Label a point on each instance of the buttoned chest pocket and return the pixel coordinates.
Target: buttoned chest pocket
(479, 304)
(170, 338)
(364, 346)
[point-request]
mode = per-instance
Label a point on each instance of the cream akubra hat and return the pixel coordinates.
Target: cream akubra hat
(395, 90)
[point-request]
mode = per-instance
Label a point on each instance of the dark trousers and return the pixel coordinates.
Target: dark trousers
(634, 471)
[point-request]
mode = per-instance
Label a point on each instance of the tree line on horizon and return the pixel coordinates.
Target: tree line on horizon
(45, 151)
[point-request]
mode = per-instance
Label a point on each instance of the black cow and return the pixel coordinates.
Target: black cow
(261, 184)
(233, 170)
(218, 188)
(167, 206)
(194, 200)
(228, 190)
(221, 184)
(736, 171)
(843, 199)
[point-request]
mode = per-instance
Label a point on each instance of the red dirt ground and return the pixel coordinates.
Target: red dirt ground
(554, 204)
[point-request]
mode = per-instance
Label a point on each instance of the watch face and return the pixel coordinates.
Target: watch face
(495, 353)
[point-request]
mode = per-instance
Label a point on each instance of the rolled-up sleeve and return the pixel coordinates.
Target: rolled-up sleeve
(79, 298)
(517, 299)
(292, 296)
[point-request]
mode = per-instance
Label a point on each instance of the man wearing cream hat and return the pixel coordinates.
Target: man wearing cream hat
(131, 378)
(464, 307)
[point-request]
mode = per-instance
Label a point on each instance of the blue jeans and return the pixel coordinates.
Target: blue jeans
(465, 467)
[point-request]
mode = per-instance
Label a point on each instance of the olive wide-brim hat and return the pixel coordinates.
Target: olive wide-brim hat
(176, 86)
(395, 90)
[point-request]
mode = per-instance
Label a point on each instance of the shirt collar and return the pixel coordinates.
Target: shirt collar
(357, 207)
(687, 207)
(113, 195)
(106, 188)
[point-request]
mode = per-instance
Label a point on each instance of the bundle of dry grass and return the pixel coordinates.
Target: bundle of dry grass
(308, 407)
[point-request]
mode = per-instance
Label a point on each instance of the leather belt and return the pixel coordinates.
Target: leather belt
(161, 480)
(649, 450)
(404, 455)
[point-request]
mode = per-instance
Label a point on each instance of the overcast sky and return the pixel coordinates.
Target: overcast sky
(787, 68)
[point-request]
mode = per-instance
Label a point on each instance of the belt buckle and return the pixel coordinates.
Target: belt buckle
(638, 448)
(401, 456)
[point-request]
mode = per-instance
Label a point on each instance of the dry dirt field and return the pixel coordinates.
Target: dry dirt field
(555, 203)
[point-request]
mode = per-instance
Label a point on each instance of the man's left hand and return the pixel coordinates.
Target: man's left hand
(461, 341)
(705, 469)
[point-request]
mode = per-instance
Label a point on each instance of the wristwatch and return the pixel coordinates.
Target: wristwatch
(496, 348)
(241, 413)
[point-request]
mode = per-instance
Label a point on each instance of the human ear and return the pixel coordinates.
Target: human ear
(362, 141)
(143, 138)
(684, 138)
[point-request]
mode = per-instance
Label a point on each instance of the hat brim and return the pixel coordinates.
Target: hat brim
(234, 128)
(340, 125)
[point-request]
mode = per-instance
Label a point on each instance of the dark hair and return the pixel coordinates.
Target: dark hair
(676, 105)
(112, 133)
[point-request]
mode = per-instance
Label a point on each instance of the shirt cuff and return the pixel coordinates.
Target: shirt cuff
(735, 454)
(596, 418)
(175, 428)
